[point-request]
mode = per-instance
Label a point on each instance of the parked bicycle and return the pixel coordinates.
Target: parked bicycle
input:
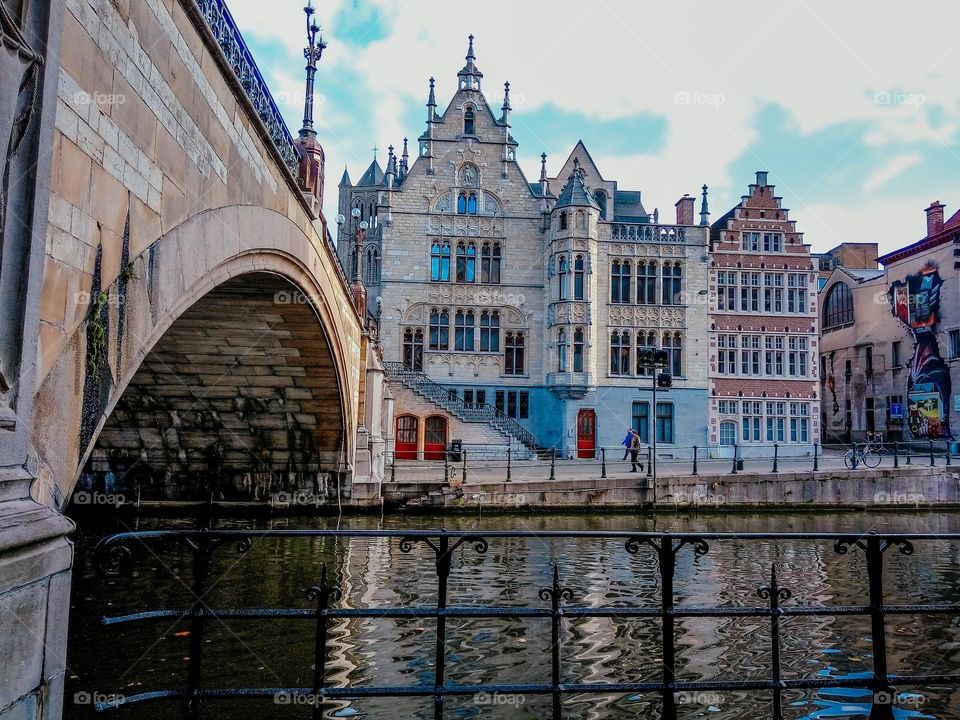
(866, 455)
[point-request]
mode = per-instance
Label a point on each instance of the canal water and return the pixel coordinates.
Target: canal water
(151, 655)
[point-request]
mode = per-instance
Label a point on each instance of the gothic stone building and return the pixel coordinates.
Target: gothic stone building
(763, 329)
(534, 298)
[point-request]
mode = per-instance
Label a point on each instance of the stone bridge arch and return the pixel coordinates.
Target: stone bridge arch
(225, 277)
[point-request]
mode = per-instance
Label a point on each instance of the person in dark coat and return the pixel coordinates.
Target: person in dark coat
(635, 452)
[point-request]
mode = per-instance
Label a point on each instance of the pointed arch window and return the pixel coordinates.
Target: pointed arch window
(646, 283)
(490, 263)
(601, 197)
(620, 353)
(463, 331)
(469, 121)
(563, 270)
(578, 273)
(489, 331)
(373, 266)
(672, 275)
(466, 263)
(581, 220)
(413, 348)
(439, 329)
(514, 361)
(561, 350)
(620, 272)
(563, 220)
(467, 203)
(673, 344)
(440, 262)
(578, 346)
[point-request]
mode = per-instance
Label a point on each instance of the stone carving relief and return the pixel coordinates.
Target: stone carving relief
(469, 176)
(569, 312)
(465, 226)
(651, 316)
(443, 204)
(491, 206)
(20, 69)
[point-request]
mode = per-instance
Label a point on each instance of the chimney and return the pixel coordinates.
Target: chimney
(934, 218)
(685, 210)
(762, 178)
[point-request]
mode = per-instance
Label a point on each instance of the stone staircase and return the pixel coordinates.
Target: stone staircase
(485, 422)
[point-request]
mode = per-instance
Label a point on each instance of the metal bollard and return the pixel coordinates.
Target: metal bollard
(854, 456)
(932, 461)
(603, 462)
(509, 469)
(553, 463)
(393, 468)
(776, 452)
(947, 454)
(908, 452)
(734, 471)
(446, 465)
(695, 460)
(649, 461)
(464, 466)
(896, 453)
(816, 463)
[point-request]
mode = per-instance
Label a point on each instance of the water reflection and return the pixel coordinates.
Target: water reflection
(373, 572)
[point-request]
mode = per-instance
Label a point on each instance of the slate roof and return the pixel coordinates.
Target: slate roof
(576, 193)
(372, 177)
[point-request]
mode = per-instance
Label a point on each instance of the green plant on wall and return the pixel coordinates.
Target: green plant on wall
(98, 333)
(129, 272)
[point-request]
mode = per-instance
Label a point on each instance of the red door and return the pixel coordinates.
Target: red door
(406, 442)
(435, 438)
(586, 434)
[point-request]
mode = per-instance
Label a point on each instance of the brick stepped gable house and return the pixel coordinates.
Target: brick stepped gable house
(532, 298)
(763, 330)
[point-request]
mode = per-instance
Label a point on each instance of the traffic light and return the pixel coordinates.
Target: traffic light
(664, 380)
(661, 357)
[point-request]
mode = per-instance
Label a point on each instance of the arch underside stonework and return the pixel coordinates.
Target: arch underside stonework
(227, 357)
(239, 398)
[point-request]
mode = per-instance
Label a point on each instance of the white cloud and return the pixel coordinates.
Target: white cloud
(823, 62)
(893, 167)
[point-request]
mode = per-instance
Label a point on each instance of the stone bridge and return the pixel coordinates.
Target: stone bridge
(175, 321)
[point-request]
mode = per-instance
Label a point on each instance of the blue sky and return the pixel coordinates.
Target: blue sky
(852, 107)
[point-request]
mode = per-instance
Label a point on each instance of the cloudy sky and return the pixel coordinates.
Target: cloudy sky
(852, 106)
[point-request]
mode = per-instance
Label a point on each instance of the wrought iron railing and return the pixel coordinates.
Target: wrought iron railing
(454, 404)
(228, 37)
(117, 554)
(637, 232)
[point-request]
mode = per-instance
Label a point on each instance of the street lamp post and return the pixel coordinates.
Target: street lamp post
(356, 282)
(652, 360)
(311, 54)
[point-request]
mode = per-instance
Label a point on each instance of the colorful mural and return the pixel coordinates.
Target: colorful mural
(915, 301)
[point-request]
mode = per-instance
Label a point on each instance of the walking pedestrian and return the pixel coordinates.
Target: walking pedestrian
(626, 443)
(634, 452)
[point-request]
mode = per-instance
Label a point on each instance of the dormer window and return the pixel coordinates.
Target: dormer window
(601, 198)
(469, 121)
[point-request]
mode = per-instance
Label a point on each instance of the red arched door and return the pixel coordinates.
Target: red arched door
(435, 438)
(406, 439)
(586, 434)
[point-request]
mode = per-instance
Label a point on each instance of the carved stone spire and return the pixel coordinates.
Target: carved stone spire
(704, 209)
(469, 77)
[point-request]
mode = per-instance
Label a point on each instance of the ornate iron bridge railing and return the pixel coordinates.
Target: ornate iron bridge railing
(228, 37)
(471, 412)
(116, 554)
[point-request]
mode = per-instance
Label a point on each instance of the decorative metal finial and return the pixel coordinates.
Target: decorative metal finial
(470, 55)
(543, 166)
(704, 209)
(311, 54)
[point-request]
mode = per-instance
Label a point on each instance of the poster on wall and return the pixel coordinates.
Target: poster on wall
(925, 413)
